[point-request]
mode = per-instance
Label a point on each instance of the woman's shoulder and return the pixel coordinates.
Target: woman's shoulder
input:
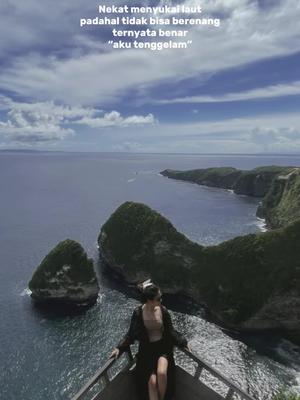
(164, 309)
(138, 309)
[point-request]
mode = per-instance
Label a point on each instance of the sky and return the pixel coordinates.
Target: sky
(235, 89)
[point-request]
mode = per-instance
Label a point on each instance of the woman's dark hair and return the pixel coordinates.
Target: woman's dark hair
(150, 291)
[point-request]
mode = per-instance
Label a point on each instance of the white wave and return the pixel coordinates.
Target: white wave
(26, 292)
(130, 180)
(100, 298)
(296, 387)
(261, 223)
(289, 352)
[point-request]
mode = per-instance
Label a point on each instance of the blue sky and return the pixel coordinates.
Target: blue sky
(236, 89)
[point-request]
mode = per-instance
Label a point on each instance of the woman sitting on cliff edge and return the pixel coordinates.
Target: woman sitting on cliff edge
(152, 326)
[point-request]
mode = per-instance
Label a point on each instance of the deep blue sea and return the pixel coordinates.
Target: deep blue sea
(47, 197)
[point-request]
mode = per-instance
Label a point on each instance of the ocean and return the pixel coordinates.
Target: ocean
(50, 196)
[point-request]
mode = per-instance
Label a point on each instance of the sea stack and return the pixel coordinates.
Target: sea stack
(66, 277)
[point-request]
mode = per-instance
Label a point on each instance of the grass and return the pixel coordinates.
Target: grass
(284, 394)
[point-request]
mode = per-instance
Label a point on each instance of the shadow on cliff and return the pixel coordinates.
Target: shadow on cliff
(179, 302)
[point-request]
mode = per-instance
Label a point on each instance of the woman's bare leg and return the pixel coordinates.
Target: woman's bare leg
(162, 369)
(152, 386)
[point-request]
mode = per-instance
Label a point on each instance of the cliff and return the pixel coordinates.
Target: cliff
(224, 177)
(65, 276)
(281, 205)
(250, 282)
(279, 188)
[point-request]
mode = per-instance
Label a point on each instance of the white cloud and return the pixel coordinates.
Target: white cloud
(38, 122)
(272, 91)
(266, 133)
(247, 34)
(114, 118)
(47, 121)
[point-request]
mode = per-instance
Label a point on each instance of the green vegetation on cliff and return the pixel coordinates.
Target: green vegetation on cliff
(141, 238)
(247, 271)
(66, 273)
(237, 279)
(255, 182)
(223, 177)
(66, 253)
(285, 394)
(281, 205)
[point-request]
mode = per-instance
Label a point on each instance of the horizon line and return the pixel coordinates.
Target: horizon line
(152, 153)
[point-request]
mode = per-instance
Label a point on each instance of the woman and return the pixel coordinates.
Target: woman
(151, 325)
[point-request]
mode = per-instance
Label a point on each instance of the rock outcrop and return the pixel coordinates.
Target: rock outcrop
(279, 188)
(250, 282)
(65, 276)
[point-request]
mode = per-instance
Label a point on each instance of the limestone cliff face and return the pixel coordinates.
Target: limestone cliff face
(240, 280)
(65, 276)
(281, 205)
(279, 188)
(256, 182)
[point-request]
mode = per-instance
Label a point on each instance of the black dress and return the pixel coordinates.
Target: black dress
(149, 352)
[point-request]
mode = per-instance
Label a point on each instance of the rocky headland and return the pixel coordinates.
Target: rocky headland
(248, 283)
(66, 277)
(279, 188)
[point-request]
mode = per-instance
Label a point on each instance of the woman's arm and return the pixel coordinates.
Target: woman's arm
(178, 339)
(131, 335)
